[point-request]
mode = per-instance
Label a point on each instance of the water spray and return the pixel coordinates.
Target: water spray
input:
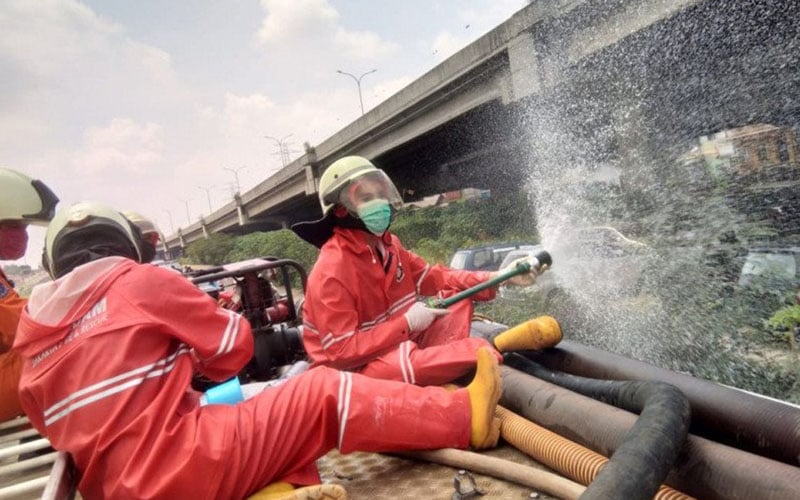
(537, 262)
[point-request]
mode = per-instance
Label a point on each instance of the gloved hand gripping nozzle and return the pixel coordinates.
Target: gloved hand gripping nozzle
(524, 266)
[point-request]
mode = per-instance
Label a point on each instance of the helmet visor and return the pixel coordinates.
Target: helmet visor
(49, 201)
(372, 185)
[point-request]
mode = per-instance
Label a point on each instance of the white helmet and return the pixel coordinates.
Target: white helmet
(150, 234)
(24, 199)
(339, 180)
(144, 224)
(73, 228)
(349, 182)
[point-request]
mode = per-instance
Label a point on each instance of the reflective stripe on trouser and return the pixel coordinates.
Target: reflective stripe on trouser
(282, 431)
(440, 354)
(434, 365)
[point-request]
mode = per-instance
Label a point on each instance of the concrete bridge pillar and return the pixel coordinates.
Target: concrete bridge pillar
(181, 239)
(204, 227)
(524, 68)
(241, 211)
(312, 169)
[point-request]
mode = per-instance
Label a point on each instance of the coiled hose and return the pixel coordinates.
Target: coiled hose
(644, 459)
(560, 454)
(704, 469)
(727, 415)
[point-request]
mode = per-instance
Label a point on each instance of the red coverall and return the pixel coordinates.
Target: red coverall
(11, 306)
(109, 351)
(355, 301)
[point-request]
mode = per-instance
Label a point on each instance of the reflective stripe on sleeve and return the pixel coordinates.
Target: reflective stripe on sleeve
(422, 277)
(111, 386)
(230, 334)
(329, 339)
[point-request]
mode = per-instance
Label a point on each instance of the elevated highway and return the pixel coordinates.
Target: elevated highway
(466, 122)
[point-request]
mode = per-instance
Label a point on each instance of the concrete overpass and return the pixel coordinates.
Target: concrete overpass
(419, 134)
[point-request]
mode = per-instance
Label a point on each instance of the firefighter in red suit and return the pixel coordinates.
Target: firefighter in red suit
(362, 310)
(109, 350)
(23, 201)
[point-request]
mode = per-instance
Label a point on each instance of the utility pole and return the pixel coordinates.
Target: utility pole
(171, 225)
(283, 148)
(236, 176)
(188, 215)
(208, 195)
(358, 83)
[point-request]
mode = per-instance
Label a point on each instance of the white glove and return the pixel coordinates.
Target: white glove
(525, 279)
(420, 317)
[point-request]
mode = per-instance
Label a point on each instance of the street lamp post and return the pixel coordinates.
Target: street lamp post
(283, 148)
(171, 225)
(208, 196)
(188, 215)
(358, 83)
(236, 176)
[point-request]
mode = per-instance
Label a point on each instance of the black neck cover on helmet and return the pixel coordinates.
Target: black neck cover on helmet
(148, 251)
(319, 231)
(350, 221)
(86, 244)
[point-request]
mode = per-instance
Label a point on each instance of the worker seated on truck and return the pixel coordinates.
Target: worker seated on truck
(109, 350)
(362, 310)
(23, 201)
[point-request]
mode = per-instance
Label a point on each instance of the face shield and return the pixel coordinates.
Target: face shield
(366, 188)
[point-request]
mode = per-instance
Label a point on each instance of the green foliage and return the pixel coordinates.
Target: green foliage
(212, 251)
(222, 248)
(283, 244)
(509, 312)
(433, 251)
(785, 319)
(435, 233)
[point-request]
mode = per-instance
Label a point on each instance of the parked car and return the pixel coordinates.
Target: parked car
(485, 257)
(596, 241)
(776, 268)
(768, 282)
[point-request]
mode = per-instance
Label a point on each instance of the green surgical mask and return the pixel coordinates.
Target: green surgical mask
(376, 214)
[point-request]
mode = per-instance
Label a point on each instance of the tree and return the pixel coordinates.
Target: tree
(283, 244)
(212, 251)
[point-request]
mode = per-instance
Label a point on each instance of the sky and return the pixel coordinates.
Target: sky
(162, 106)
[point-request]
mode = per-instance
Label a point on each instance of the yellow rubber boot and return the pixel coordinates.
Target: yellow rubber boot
(276, 487)
(536, 333)
(484, 393)
(285, 491)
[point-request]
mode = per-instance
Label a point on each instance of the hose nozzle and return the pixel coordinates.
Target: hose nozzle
(543, 258)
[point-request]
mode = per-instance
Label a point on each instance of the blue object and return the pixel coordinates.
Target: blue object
(226, 393)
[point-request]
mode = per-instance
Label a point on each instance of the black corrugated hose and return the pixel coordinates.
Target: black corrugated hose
(641, 463)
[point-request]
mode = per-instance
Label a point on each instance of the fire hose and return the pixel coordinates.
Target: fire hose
(538, 262)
